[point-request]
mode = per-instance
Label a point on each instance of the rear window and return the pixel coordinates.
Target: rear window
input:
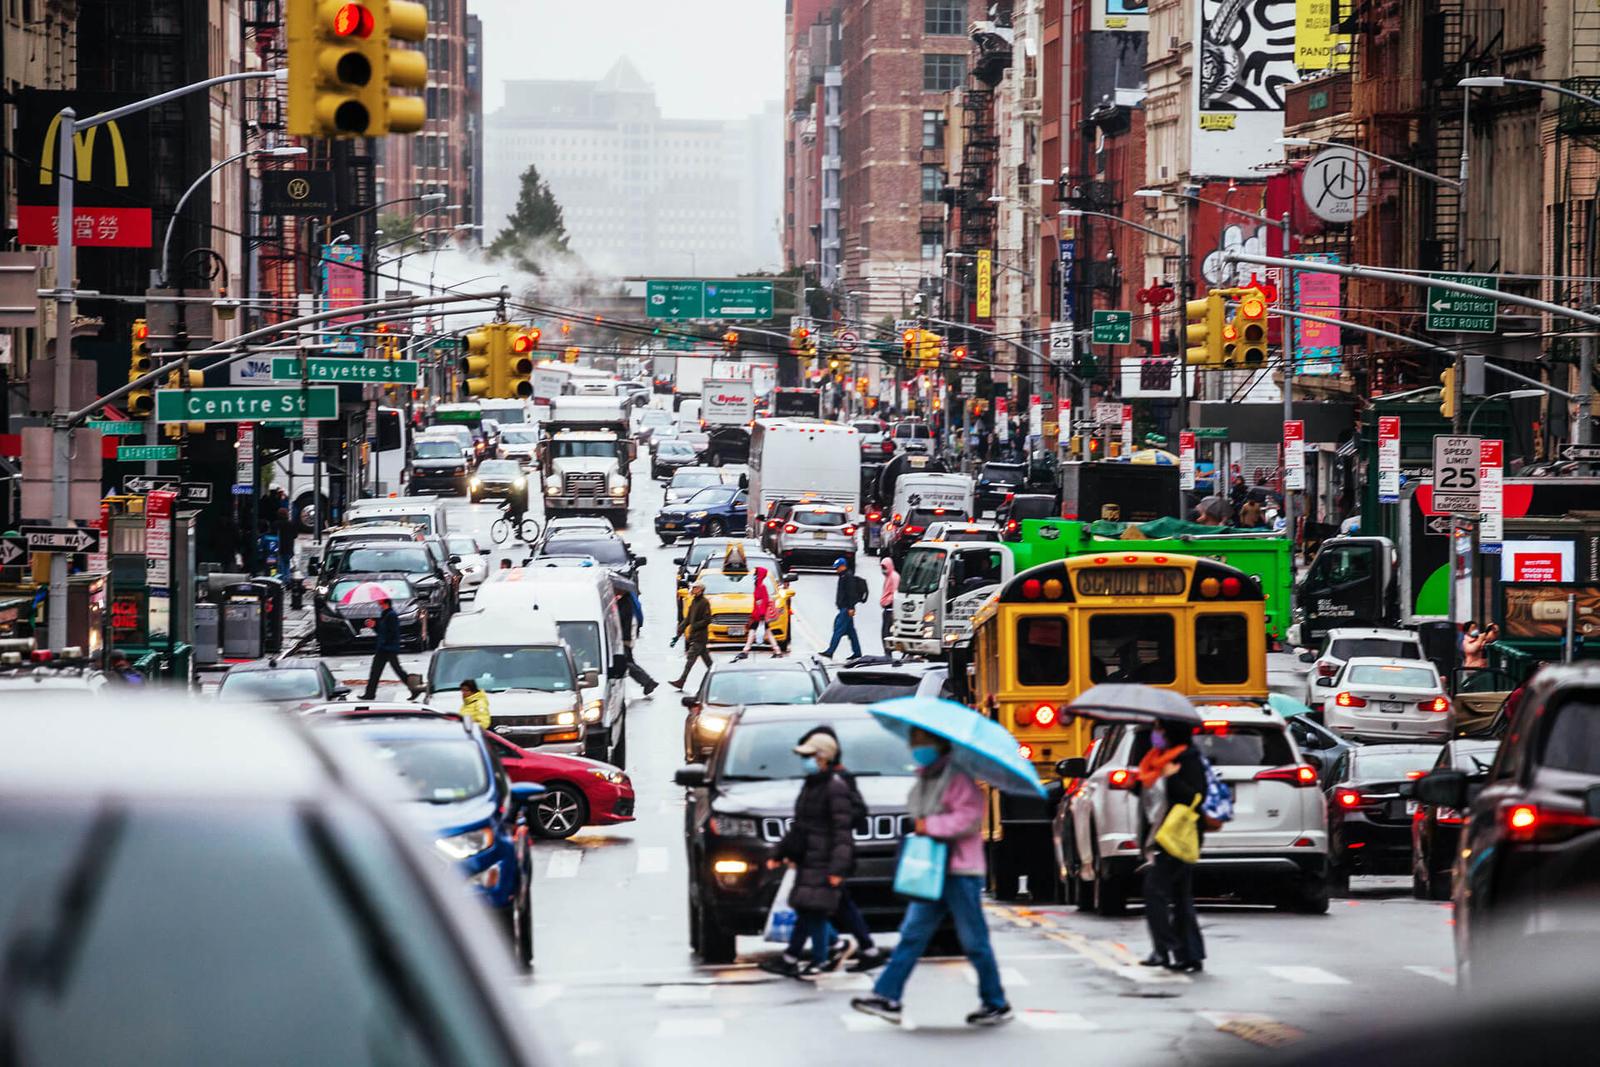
(1002, 472)
(1352, 647)
(1233, 745)
(857, 688)
(1042, 655)
(1405, 677)
(917, 431)
(807, 517)
(1572, 738)
(1132, 648)
(279, 684)
(1381, 764)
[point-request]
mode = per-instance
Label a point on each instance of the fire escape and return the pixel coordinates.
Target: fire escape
(269, 238)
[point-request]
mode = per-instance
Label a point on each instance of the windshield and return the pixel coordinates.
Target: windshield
(761, 751)
(922, 571)
(604, 549)
(500, 468)
(583, 449)
(916, 430)
(710, 497)
(1002, 472)
(499, 668)
(505, 416)
(437, 771)
(961, 533)
(438, 450)
(344, 590)
(464, 546)
(925, 516)
(816, 517)
(761, 687)
(399, 557)
(583, 638)
(280, 684)
(1382, 647)
(1405, 677)
(723, 582)
(675, 448)
(869, 688)
(655, 417)
(685, 479)
(520, 435)
(1371, 763)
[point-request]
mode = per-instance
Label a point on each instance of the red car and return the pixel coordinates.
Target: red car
(578, 792)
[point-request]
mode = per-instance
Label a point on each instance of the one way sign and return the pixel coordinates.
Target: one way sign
(61, 539)
(12, 551)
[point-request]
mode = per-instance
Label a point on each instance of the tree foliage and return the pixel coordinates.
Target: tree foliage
(535, 226)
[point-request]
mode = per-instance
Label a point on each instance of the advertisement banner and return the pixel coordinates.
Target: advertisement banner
(1389, 459)
(1133, 15)
(1185, 459)
(1538, 561)
(1244, 57)
(344, 284)
(1316, 46)
(158, 539)
(1036, 415)
(1294, 454)
(727, 401)
(985, 283)
(1068, 250)
(1491, 494)
(1064, 415)
(1127, 429)
(1540, 611)
(1002, 418)
(1316, 344)
(111, 168)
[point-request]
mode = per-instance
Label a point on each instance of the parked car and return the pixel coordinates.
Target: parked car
(741, 802)
(433, 584)
(578, 791)
(347, 610)
(727, 686)
(713, 511)
(281, 684)
(1369, 822)
(814, 535)
(1376, 699)
(1435, 829)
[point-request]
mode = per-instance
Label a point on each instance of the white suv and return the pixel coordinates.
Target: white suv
(1275, 849)
(1345, 642)
(814, 535)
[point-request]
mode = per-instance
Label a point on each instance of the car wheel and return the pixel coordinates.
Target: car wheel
(713, 528)
(1439, 885)
(1307, 898)
(1003, 878)
(694, 924)
(1339, 881)
(559, 812)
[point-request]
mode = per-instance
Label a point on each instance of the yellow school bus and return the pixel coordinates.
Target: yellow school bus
(1177, 622)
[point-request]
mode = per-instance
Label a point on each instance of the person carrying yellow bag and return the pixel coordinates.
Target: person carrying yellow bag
(1172, 784)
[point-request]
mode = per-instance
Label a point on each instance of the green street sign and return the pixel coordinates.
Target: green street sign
(289, 427)
(337, 369)
(248, 404)
(1210, 433)
(116, 427)
(738, 300)
(684, 344)
(674, 300)
(1111, 328)
(145, 453)
(1452, 312)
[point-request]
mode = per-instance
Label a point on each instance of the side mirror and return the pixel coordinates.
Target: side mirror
(691, 701)
(1442, 788)
(677, 561)
(1314, 760)
(588, 678)
(1076, 767)
(455, 559)
(339, 693)
(691, 777)
(313, 566)
(523, 793)
(1308, 657)
(1324, 683)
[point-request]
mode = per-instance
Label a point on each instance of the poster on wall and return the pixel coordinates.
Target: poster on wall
(1245, 60)
(1316, 347)
(1120, 15)
(1316, 46)
(1540, 611)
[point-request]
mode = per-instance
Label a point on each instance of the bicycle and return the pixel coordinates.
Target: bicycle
(527, 531)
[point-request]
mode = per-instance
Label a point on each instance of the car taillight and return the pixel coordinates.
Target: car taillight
(896, 517)
(1447, 816)
(1529, 822)
(1121, 778)
(915, 529)
(1295, 774)
(849, 531)
(888, 446)
(1045, 715)
(772, 524)
(1347, 798)
(790, 528)
(1436, 704)
(1326, 670)
(874, 516)
(1012, 526)
(1349, 700)
(1025, 751)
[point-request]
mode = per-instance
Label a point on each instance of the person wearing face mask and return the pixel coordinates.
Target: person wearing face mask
(1171, 773)
(1473, 643)
(947, 806)
(821, 846)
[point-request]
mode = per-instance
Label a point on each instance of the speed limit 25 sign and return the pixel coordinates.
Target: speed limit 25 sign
(1455, 474)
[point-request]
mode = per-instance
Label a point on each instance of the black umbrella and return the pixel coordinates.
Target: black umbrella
(1118, 702)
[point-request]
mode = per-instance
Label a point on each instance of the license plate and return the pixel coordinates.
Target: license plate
(818, 535)
(1411, 807)
(736, 631)
(669, 526)
(1398, 809)
(1392, 707)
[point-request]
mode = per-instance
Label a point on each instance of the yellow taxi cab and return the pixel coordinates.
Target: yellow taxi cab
(730, 590)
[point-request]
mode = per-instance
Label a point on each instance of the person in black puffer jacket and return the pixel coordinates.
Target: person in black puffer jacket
(821, 846)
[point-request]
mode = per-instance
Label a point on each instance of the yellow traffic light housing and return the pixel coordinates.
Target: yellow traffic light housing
(570, 354)
(140, 401)
(730, 341)
(342, 66)
(1447, 393)
(478, 363)
(1205, 329)
(519, 365)
(908, 346)
(398, 68)
(194, 379)
(1246, 332)
(799, 340)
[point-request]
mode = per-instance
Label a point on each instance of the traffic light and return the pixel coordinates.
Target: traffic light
(730, 341)
(478, 363)
(958, 354)
(342, 66)
(196, 379)
(908, 347)
(1206, 321)
(570, 355)
(140, 401)
(519, 365)
(1447, 392)
(929, 347)
(799, 340)
(1246, 332)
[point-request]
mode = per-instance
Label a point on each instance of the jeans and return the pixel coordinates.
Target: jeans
(636, 672)
(962, 898)
(380, 660)
(846, 917)
(813, 925)
(888, 623)
(844, 625)
(1169, 910)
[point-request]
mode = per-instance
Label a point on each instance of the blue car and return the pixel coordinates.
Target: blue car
(712, 512)
(465, 801)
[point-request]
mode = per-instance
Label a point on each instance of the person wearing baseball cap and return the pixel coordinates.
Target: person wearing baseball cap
(695, 629)
(851, 590)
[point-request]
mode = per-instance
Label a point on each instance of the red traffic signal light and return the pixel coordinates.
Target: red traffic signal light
(524, 343)
(802, 333)
(141, 330)
(959, 353)
(353, 20)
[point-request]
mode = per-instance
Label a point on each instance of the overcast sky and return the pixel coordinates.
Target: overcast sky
(706, 58)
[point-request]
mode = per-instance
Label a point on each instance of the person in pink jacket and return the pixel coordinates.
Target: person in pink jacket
(947, 806)
(891, 585)
(763, 611)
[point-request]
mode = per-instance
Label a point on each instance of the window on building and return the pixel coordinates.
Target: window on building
(933, 129)
(932, 182)
(944, 16)
(932, 244)
(941, 73)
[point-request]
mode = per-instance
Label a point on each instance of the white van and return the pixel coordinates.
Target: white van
(534, 685)
(427, 512)
(582, 603)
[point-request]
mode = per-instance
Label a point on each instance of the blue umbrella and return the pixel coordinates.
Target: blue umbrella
(1288, 706)
(979, 746)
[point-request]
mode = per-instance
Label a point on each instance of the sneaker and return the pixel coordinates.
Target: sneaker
(781, 964)
(678, 684)
(839, 954)
(740, 656)
(887, 1010)
(810, 971)
(651, 688)
(870, 960)
(987, 1016)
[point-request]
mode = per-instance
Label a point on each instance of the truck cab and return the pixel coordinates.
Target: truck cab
(1351, 582)
(942, 585)
(584, 457)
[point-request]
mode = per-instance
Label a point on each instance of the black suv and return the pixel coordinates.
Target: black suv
(741, 803)
(434, 583)
(438, 466)
(1527, 870)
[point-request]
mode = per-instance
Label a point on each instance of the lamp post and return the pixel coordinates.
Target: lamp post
(1427, 175)
(283, 152)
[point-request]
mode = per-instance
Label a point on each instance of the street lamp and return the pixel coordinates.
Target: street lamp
(1258, 216)
(426, 198)
(271, 153)
(1494, 81)
(1306, 142)
(1509, 394)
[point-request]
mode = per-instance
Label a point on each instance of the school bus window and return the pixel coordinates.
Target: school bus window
(1042, 654)
(1132, 648)
(1221, 649)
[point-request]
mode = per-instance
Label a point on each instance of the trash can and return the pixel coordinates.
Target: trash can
(207, 633)
(241, 624)
(272, 596)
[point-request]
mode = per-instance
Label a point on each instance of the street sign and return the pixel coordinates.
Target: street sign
(247, 404)
(1211, 433)
(140, 484)
(1581, 452)
(335, 369)
(195, 492)
(116, 427)
(1111, 327)
(61, 538)
(1456, 481)
(1452, 312)
(1491, 486)
(146, 453)
(1389, 459)
(12, 551)
(846, 340)
(1185, 459)
(1109, 413)
(1061, 344)
(1294, 454)
(738, 300)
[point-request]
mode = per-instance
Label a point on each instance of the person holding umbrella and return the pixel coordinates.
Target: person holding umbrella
(1171, 775)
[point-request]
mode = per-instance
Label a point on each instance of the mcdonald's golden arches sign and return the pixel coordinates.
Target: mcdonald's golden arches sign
(111, 198)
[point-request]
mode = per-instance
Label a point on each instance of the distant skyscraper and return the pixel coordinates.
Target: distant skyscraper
(641, 194)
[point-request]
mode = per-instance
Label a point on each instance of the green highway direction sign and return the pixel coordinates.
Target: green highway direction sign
(1111, 328)
(707, 299)
(1452, 312)
(136, 453)
(116, 427)
(248, 404)
(337, 369)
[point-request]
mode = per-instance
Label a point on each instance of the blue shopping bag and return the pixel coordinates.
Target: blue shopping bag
(920, 872)
(780, 917)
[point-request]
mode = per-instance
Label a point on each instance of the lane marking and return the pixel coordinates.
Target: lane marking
(684, 994)
(564, 864)
(1037, 1019)
(1260, 1030)
(1009, 976)
(652, 859)
(690, 1026)
(1447, 975)
(1306, 975)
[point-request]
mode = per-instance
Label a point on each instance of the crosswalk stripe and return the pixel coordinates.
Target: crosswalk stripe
(1306, 975)
(652, 860)
(856, 1022)
(1446, 975)
(690, 1026)
(1009, 976)
(1054, 1020)
(684, 994)
(564, 864)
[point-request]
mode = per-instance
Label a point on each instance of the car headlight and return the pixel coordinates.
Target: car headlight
(712, 724)
(464, 845)
(697, 514)
(552, 484)
(567, 718)
(614, 777)
(476, 484)
(733, 826)
(927, 616)
(520, 483)
(591, 711)
(619, 488)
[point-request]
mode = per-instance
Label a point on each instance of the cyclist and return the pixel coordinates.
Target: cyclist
(515, 509)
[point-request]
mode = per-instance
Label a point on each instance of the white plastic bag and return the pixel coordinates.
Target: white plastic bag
(780, 917)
